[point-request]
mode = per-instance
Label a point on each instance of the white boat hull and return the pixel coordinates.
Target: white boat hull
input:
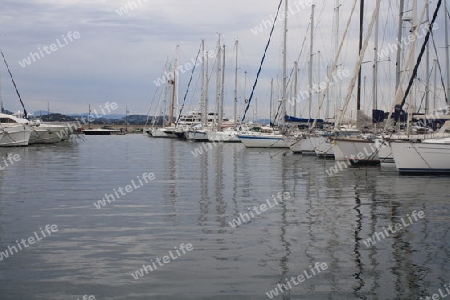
(413, 157)
(323, 148)
(162, 133)
(384, 152)
(359, 151)
(223, 136)
(296, 147)
(13, 136)
(307, 146)
(49, 134)
(338, 154)
(197, 135)
(263, 141)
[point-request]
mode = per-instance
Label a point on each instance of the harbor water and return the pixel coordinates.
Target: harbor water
(141, 218)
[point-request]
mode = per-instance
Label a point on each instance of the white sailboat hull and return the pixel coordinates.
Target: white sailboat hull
(384, 152)
(296, 147)
(323, 148)
(425, 157)
(338, 154)
(359, 151)
(223, 136)
(263, 141)
(307, 146)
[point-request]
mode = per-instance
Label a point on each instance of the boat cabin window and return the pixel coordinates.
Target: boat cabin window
(7, 120)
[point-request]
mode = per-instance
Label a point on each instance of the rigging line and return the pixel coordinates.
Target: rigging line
(276, 115)
(262, 61)
(417, 151)
(15, 87)
(439, 66)
(424, 84)
(284, 151)
(301, 51)
(398, 107)
(154, 97)
(319, 19)
(189, 84)
(149, 110)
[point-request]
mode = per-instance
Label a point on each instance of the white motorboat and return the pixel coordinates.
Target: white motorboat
(44, 133)
(13, 131)
(165, 132)
(100, 131)
(197, 134)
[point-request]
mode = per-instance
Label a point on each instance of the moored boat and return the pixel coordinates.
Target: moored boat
(100, 131)
(13, 131)
(427, 156)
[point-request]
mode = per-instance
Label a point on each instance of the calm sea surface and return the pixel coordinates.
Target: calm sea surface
(327, 219)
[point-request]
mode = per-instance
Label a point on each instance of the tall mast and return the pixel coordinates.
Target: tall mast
(447, 47)
(172, 100)
(283, 98)
(245, 85)
(412, 99)
(361, 29)
(271, 100)
(174, 89)
(318, 76)
(205, 111)
(375, 68)
(222, 91)
(435, 84)
(415, 28)
(89, 117)
(327, 107)
(311, 49)
(235, 85)
(399, 39)
(337, 95)
(177, 81)
(126, 118)
(427, 67)
(202, 96)
(218, 81)
(1, 98)
(295, 87)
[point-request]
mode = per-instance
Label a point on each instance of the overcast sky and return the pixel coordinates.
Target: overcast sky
(116, 55)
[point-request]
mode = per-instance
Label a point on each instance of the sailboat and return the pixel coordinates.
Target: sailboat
(229, 134)
(271, 138)
(359, 150)
(171, 130)
(429, 155)
(199, 132)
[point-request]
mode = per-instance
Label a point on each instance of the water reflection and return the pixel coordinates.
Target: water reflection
(327, 219)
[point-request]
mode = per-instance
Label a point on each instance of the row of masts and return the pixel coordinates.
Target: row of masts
(283, 109)
(205, 78)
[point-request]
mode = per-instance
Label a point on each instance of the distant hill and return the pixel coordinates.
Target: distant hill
(121, 120)
(54, 117)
